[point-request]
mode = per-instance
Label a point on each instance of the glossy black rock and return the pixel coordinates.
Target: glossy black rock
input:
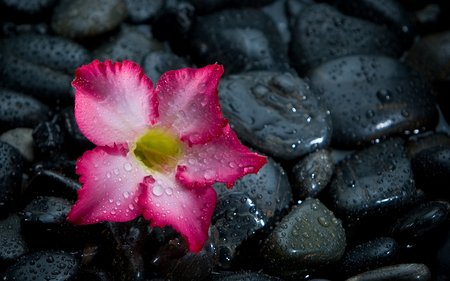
(322, 33)
(13, 244)
(241, 40)
(18, 110)
(276, 113)
(373, 181)
(47, 265)
(376, 253)
(155, 64)
(10, 177)
(310, 236)
(399, 272)
(371, 97)
(312, 174)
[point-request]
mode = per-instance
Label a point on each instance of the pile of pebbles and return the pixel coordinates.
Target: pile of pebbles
(347, 98)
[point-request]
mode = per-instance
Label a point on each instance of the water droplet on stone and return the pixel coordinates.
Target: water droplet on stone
(323, 221)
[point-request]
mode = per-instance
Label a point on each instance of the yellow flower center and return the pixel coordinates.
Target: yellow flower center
(159, 150)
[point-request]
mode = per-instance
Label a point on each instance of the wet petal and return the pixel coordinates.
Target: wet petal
(165, 201)
(111, 187)
(224, 159)
(188, 102)
(114, 102)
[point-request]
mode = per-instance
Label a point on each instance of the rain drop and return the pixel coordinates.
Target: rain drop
(116, 171)
(232, 165)
(169, 191)
(126, 194)
(108, 175)
(323, 221)
(127, 166)
(210, 174)
(158, 190)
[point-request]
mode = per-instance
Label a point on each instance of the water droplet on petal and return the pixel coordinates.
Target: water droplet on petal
(169, 191)
(232, 165)
(202, 88)
(126, 194)
(131, 206)
(127, 166)
(116, 171)
(108, 175)
(113, 212)
(158, 190)
(111, 200)
(210, 174)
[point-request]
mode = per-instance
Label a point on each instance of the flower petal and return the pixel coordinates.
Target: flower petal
(224, 159)
(111, 187)
(188, 97)
(114, 102)
(165, 201)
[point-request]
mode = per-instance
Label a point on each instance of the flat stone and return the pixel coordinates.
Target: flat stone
(13, 244)
(22, 140)
(276, 113)
(322, 33)
(372, 97)
(403, 272)
(10, 177)
(156, 63)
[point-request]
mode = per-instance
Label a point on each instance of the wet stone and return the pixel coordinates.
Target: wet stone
(40, 82)
(13, 246)
(143, 10)
(46, 265)
(277, 12)
(48, 137)
(22, 140)
(401, 272)
(374, 254)
(312, 174)
(29, 8)
(173, 261)
(57, 53)
(236, 218)
(390, 13)
(18, 110)
(241, 40)
(269, 189)
(440, 268)
(276, 113)
(430, 161)
(205, 6)
(242, 276)
(128, 44)
(426, 218)
(10, 177)
(310, 236)
(86, 19)
(155, 64)
(377, 180)
(322, 33)
(371, 97)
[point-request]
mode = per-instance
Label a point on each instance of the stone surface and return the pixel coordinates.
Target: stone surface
(322, 33)
(312, 174)
(10, 177)
(242, 40)
(374, 181)
(86, 19)
(143, 10)
(400, 272)
(310, 236)
(276, 113)
(22, 140)
(13, 244)
(372, 97)
(18, 110)
(155, 64)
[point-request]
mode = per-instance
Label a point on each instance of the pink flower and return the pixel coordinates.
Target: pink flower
(159, 150)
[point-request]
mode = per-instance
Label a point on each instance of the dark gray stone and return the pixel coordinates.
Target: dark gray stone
(276, 113)
(399, 272)
(322, 33)
(81, 19)
(13, 244)
(143, 10)
(10, 177)
(155, 64)
(310, 236)
(372, 97)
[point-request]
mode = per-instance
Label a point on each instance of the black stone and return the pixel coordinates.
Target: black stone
(236, 218)
(441, 260)
(242, 275)
(371, 97)
(86, 19)
(57, 53)
(128, 44)
(25, 9)
(143, 10)
(399, 272)
(277, 11)
(241, 40)
(40, 82)
(430, 161)
(46, 265)
(269, 189)
(18, 110)
(376, 253)
(390, 13)
(322, 33)
(310, 236)
(312, 174)
(10, 177)
(13, 244)
(375, 181)
(155, 64)
(48, 137)
(276, 113)
(420, 221)
(206, 6)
